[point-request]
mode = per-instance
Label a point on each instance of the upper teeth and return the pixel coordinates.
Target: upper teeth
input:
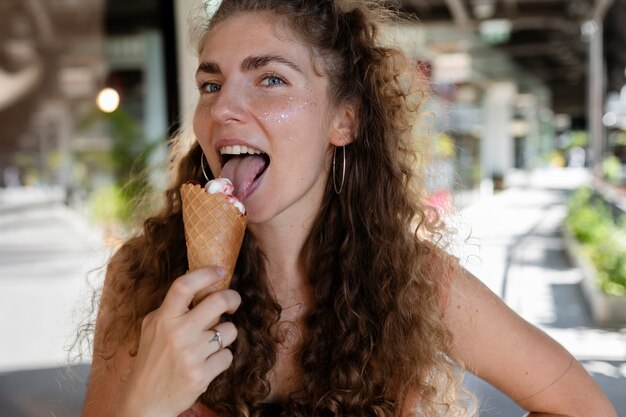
(238, 150)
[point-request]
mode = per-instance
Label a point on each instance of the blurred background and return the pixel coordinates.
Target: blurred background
(529, 105)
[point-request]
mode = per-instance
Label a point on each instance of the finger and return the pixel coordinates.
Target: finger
(220, 337)
(218, 363)
(185, 287)
(208, 311)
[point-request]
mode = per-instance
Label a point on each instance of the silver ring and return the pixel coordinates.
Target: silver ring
(217, 338)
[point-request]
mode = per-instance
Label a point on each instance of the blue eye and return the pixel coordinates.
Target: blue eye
(210, 88)
(273, 80)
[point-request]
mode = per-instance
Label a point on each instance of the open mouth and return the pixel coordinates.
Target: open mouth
(243, 166)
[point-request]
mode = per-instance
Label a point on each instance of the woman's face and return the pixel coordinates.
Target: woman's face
(264, 95)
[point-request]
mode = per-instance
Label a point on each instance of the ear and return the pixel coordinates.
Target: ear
(344, 124)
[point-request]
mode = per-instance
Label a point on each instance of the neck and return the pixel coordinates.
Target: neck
(281, 241)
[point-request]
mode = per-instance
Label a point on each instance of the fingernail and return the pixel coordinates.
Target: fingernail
(220, 271)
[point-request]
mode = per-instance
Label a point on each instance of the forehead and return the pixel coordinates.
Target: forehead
(257, 33)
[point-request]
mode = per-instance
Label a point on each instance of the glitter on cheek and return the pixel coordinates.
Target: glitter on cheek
(284, 112)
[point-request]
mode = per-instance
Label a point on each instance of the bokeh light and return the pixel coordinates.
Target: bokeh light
(108, 100)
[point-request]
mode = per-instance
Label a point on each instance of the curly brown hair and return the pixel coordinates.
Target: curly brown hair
(375, 338)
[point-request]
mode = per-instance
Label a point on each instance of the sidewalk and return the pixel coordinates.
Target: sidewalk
(18, 198)
(46, 252)
(517, 250)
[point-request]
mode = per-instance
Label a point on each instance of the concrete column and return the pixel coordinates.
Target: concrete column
(534, 114)
(595, 101)
(496, 147)
(187, 59)
(155, 108)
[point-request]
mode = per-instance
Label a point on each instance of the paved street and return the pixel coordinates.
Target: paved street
(515, 248)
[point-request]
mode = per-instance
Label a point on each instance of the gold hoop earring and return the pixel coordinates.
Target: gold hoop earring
(202, 166)
(343, 170)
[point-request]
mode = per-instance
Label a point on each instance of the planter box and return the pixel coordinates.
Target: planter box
(606, 309)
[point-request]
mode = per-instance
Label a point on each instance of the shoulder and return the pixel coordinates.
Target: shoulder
(437, 259)
(115, 296)
(130, 284)
(441, 268)
(118, 317)
(112, 359)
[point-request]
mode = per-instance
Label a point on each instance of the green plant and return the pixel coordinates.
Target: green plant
(557, 159)
(610, 260)
(603, 239)
(612, 168)
(107, 203)
(619, 138)
(588, 220)
(580, 138)
(445, 146)
(127, 164)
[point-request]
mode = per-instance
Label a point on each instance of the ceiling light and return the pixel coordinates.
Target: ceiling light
(108, 100)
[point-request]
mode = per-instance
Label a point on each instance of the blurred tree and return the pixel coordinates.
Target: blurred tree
(129, 159)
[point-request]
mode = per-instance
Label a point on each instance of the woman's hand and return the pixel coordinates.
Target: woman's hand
(179, 354)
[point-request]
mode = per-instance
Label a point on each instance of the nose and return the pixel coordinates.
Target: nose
(228, 105)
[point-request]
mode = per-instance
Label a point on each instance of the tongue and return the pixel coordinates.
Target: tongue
(242, 171)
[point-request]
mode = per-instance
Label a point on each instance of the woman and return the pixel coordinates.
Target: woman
(339, 305)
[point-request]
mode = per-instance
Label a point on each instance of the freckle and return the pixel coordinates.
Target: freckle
(458, 306)
(526, 372)
(477, 310)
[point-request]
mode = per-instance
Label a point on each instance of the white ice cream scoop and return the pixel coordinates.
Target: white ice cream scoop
(225, 187)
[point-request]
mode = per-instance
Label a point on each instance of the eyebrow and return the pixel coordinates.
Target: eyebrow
(249, 64)
(254, 62)
(208, 67)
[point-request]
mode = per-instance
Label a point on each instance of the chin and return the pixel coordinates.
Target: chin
(257, 216)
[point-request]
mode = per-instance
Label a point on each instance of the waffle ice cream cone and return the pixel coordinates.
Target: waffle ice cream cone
(214, 230)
